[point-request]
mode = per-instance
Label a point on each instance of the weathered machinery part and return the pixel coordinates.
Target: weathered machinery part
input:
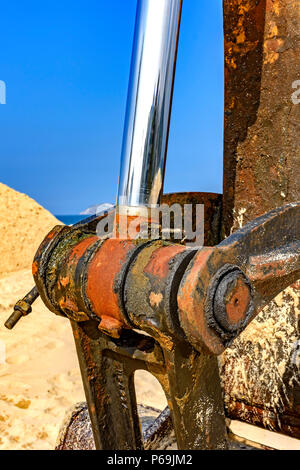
(68, 265)
(218, 291)
(22, 308)
(260, 371)
(76, 431)
(261, 376)
(190, 381)
(90, 342)
(149, 102)
(225, 287)
(158, 433)
(212, 203)
(261, 134)
(212, 214)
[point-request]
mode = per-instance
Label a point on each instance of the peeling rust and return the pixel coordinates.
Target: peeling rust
(261, 173)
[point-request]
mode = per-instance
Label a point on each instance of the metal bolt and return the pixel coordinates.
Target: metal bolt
(230, 301)
(22, 308)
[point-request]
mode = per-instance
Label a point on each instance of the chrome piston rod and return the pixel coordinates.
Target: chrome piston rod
(149, 102)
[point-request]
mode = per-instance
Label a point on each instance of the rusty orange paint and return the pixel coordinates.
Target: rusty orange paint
(66, 293)
(191, 304)
(35, 268)
(80, 248)
(237, 302)
(51, 234)
(124, 223)
(264, 267)
(64, 281)
(103, 270)
(158, 265)
(69, 304)
(111, 326)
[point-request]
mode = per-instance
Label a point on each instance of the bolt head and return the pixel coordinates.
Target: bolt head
(230, 302)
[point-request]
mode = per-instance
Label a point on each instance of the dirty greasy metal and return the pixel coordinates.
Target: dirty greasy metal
(158, 433)
(192, 303)
(22, 308)
(107, 367)
(193, 393)
(250, 268)
(212, 213)
(69, 263)
(61, 269)
(212, 203)
(76, 432)
(262, 172)
(261, 133)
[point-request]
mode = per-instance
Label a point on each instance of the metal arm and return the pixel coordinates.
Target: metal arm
(149, 102)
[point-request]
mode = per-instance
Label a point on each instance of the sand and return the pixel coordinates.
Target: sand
(39, 373)
(23, 224)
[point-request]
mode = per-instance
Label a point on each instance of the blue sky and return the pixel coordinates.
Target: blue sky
(66, 69)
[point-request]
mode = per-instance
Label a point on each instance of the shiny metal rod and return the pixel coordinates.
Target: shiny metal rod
(149, 102)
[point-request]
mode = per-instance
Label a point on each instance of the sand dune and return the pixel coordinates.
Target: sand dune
(23, 223)
(39, 379)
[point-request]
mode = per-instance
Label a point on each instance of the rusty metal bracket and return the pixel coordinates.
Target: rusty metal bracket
(190, 381)
(226, 286)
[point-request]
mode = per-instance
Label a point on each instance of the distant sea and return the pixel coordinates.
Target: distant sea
(71, 219)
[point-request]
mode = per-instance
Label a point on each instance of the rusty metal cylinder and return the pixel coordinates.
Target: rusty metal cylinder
(80, 276)
(151, 287)
(120, 283)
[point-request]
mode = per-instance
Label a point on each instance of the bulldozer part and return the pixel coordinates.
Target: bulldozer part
(107, 367)
(108, 380)
(22, 308)
(157, 428)
(218, 291)
(261, 172)
(149, 102)
(61, 268)
(88, 227)
(76, 431)
(225, 287)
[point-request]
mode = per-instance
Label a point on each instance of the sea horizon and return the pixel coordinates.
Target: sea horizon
(70, 219)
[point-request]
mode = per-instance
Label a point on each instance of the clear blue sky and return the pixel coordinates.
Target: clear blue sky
(66, 68)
